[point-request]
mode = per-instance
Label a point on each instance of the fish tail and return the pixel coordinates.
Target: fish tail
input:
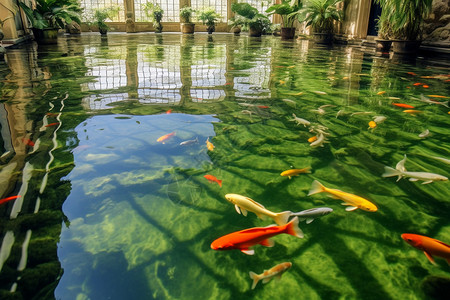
(282, 217)
(389, 172)
(219, 182)
(316, 187)
(255, 278)
(293, 229)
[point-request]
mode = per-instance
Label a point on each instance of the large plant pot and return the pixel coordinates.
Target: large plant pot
(323, 38)
(46, 36)
(254, 32)
(236, 30)
(405, 47)
(188, 28)
(383, 45)
(287, 33)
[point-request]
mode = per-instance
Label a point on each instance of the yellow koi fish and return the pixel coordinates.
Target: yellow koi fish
(244, 204)
(353, 201)
(267, 275)
(209, 145)
(295, 172)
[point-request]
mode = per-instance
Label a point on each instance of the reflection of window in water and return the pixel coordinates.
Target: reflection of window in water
(219, 5)
(90, 5)
(171, 10)
(206, 95)
(96, 102)
(159, 78)
(208, 66)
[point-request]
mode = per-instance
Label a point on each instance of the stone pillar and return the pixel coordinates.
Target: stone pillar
(184, 3)
(356, 18)
(8, 10)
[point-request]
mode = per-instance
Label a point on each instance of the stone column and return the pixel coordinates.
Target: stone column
(8, 9)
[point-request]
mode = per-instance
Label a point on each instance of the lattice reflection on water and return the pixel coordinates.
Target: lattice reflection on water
(89, 7)
(171, 10)
(204, 95)
(96, 102)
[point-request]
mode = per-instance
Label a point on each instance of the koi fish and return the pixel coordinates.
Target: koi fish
(228, 83)
(437, 96)
(165, 137)
(169, 111)
(381, 92)
(282, 82)
(417, 83)
(4, 200)
(312, 139)
(267, 275)
(52, 124)
(28, 142)
(244, 204)
(310, 214)
(403, 105)
(189, 142)
(429, 246)
(401, 172)
(319, 141)
(379, 119)
(212, 178)
(411, 73)
(300, 121)
(372, 124)
(319, 92)
(209, 145)
(425, 86)
(297, 94)
(444, 160)
(353, 201)
(393, 98)
(430, 101)
(424, 134)
(244, 239)
(412, 111)
(263, 106)
(295, 172)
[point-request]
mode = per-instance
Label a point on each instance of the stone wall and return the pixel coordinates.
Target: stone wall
(437, 26)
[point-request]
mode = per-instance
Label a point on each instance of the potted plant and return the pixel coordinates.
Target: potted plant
(321, 15)
(100, 16)
(384, 32)
(48, 16)
(406, 20)
(250, 19)
(185, 17)
(289, 11)
(155, 13)
(209, 17)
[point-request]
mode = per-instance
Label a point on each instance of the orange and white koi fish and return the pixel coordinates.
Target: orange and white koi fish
(429, 246)
(403, 105)
(295, 172)
(267, 275)
(212, 178)
(209, 145)
(244, 204)
(353, 201)
(244, 239)
(165, 137)
(4, 200)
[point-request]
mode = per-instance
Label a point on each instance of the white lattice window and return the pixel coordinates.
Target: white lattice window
(171, 10)
(90, 6)
(219, 5)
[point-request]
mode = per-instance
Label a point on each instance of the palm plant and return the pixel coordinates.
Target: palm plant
(288, 10)
(186, 14)
(155, 13)
(249, 18)
(209, 17)
(101, 14)
(321, 15)
(52, 13)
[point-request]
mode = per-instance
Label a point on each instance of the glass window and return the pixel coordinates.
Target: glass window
(90, 6)
(219, 5)
(171, 10)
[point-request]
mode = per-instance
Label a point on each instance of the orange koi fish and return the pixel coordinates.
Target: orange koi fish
(263, 106)
(417, 83)
(295, 172)
(372, 124)
(437, 96)
(4, 200)
(169, 111)
(244, 239)
(52, 124)
(381, 93)
(267, 275)
(312, 139)
(209, 145)
(28, 142)
(212, 178)
(411, 73)
(425, 86)
(403, 105)
(429, 246)
(412, 111)
(165, 137)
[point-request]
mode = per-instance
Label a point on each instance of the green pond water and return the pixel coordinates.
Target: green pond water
(108, 212)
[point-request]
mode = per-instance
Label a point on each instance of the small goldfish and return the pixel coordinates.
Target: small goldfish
(4, 200)
(209, 145)
(372, 124)
(228, 83)
(353, 201)
(417, 83)
(429, 246)
(244, 239)
(263, 106)
(412, 111)
(212, 178)
(28, 142)
(425, 86)
(381, 93)
(403, 105)
(312, 139)
(52, 124)
(165, 137)
(345, 77)
(411, 73)
(282, 82)
(169, 111)
(295, 172)
(297, 94)
(267, 275)
(437, 96)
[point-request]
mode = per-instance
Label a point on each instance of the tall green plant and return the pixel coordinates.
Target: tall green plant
(209, 17)
(101, 14)
(248, 17)
(52, 13)
(155, 13)
(288, 10)
(321, 15)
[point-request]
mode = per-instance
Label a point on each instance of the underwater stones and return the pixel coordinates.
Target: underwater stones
(436, 287)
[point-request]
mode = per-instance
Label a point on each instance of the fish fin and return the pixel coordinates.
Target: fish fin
(248, 251)
(430, 258)
(427, 182)
(219, 182)
(293, 229)
(237, 209)
(389, 172)
(308, 221)
(266, 280)
(267, 243)
(413, 179)
(351, 208)
(244, 211)
(282, 217)
(255, 278)
(316, 187)
(401, 165)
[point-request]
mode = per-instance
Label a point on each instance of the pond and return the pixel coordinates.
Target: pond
(121, 151)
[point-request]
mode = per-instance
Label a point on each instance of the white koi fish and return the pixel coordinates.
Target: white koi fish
(319, 141)
(401, 172)
(189, 142)
(244, 204)
(310, 214)
(300, 121)
(424, 134)
(267, 275)
(379, 119)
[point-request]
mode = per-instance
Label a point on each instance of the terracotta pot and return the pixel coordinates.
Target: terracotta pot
(187, 28)
(254, 32)
(383, 45)
(46, 36)
(287, 33)
(406, 47)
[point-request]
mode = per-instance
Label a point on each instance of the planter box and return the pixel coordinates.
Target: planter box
(406, 47)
